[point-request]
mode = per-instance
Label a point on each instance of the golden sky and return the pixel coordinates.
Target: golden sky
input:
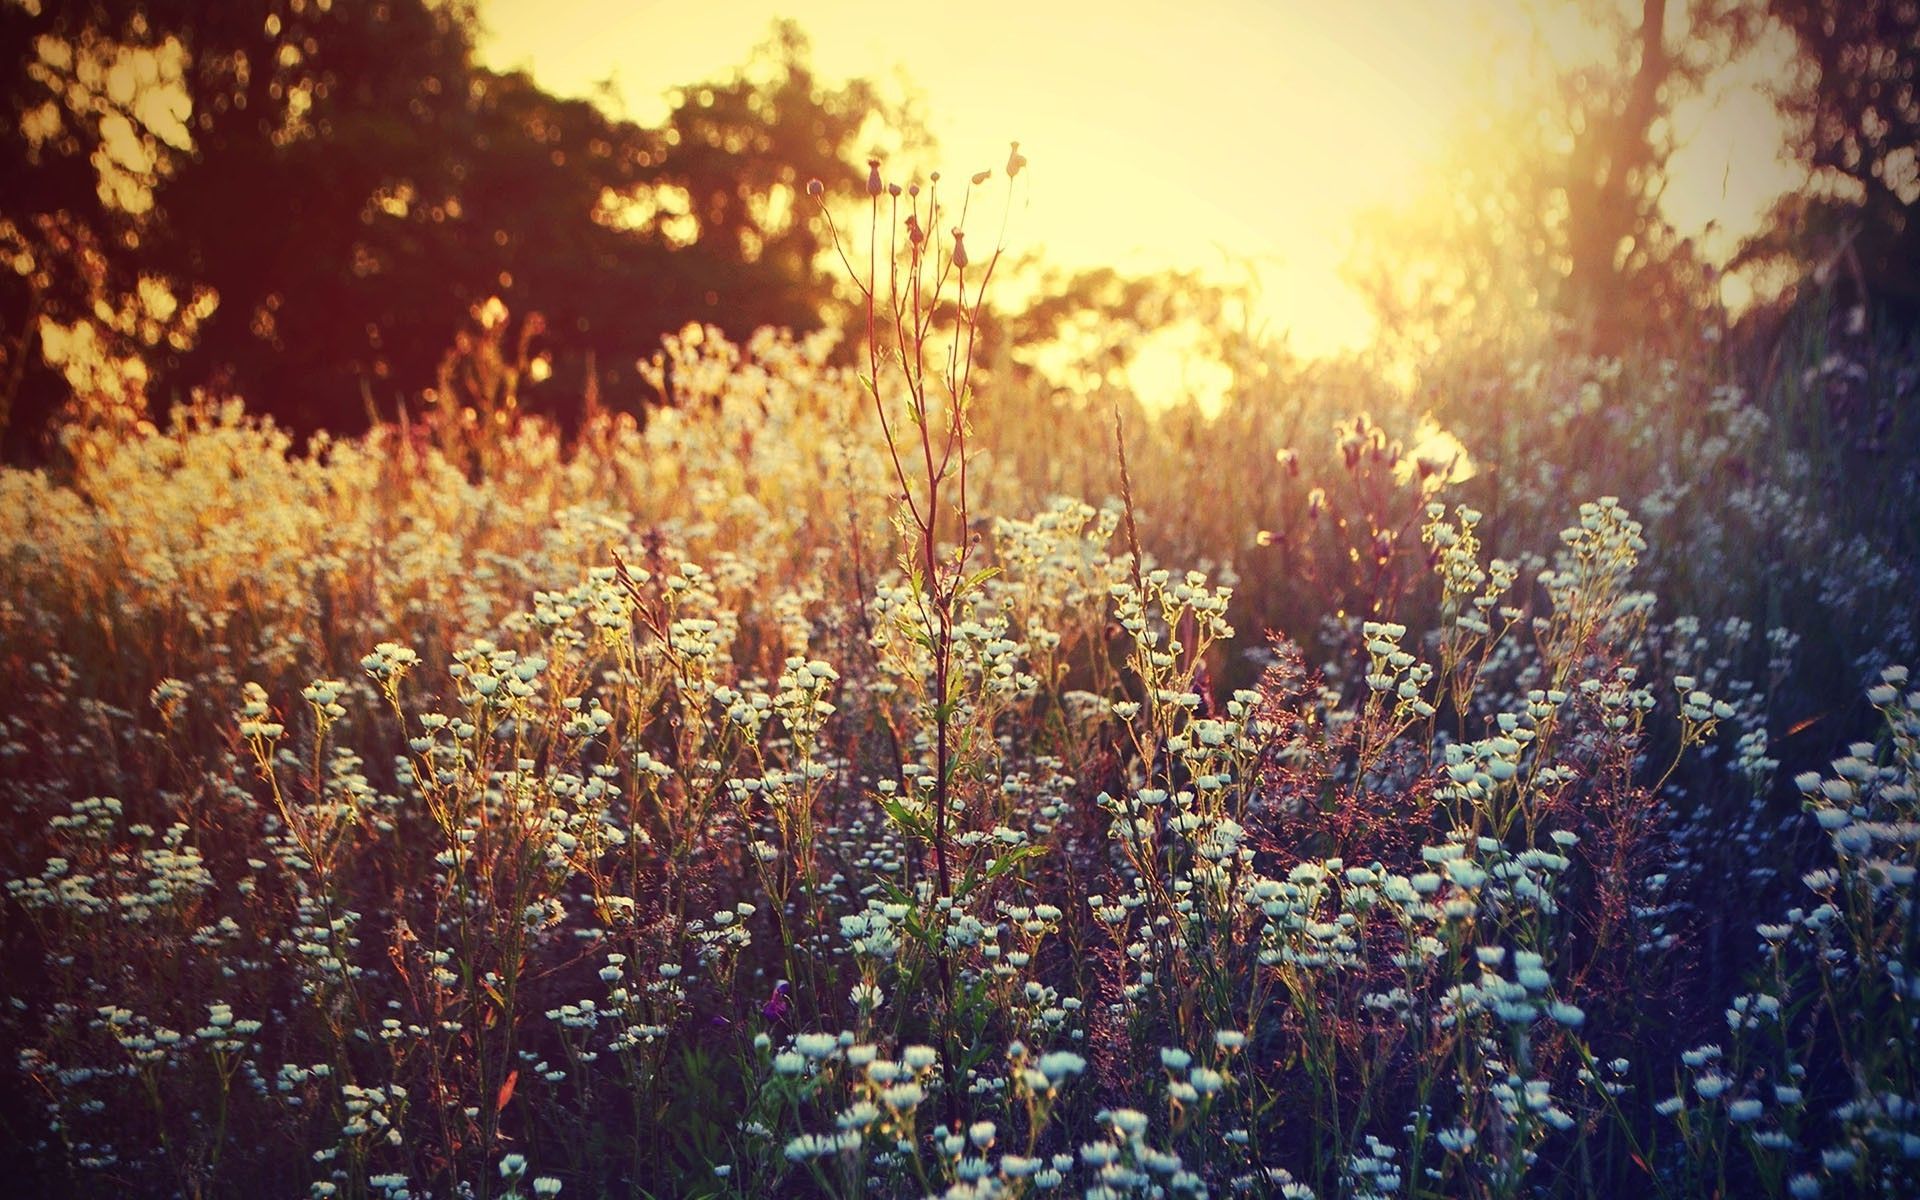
(1163, 134)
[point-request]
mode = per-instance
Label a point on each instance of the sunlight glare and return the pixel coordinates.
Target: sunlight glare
(1216, 136)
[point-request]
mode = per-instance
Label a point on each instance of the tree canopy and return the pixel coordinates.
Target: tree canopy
(1549, 212)
(1854, 106)
(303, 201)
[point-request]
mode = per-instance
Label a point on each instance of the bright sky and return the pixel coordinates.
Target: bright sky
(1159, 134)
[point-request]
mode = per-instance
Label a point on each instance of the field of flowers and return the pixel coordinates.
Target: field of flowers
(866, 781)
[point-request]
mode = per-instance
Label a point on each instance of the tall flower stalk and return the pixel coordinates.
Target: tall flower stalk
(924, 298)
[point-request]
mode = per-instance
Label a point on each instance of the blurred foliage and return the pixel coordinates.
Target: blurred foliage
(1855, 109)
(1547, 213)
(300, 202)
(307, 202)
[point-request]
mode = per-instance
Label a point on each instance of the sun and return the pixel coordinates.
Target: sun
(1228, 136)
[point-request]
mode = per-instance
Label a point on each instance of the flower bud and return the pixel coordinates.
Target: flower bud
(814, 188)
(873, 177)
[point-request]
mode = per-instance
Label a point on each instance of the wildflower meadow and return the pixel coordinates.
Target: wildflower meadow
(814, 791)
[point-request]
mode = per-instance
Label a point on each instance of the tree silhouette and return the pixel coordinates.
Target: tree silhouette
(301, 202)
(1628, 275)
(1554, 210)
(1854, 104)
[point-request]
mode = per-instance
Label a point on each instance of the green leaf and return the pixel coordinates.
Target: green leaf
(998, 866)
(976, 579)
(914, 823)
